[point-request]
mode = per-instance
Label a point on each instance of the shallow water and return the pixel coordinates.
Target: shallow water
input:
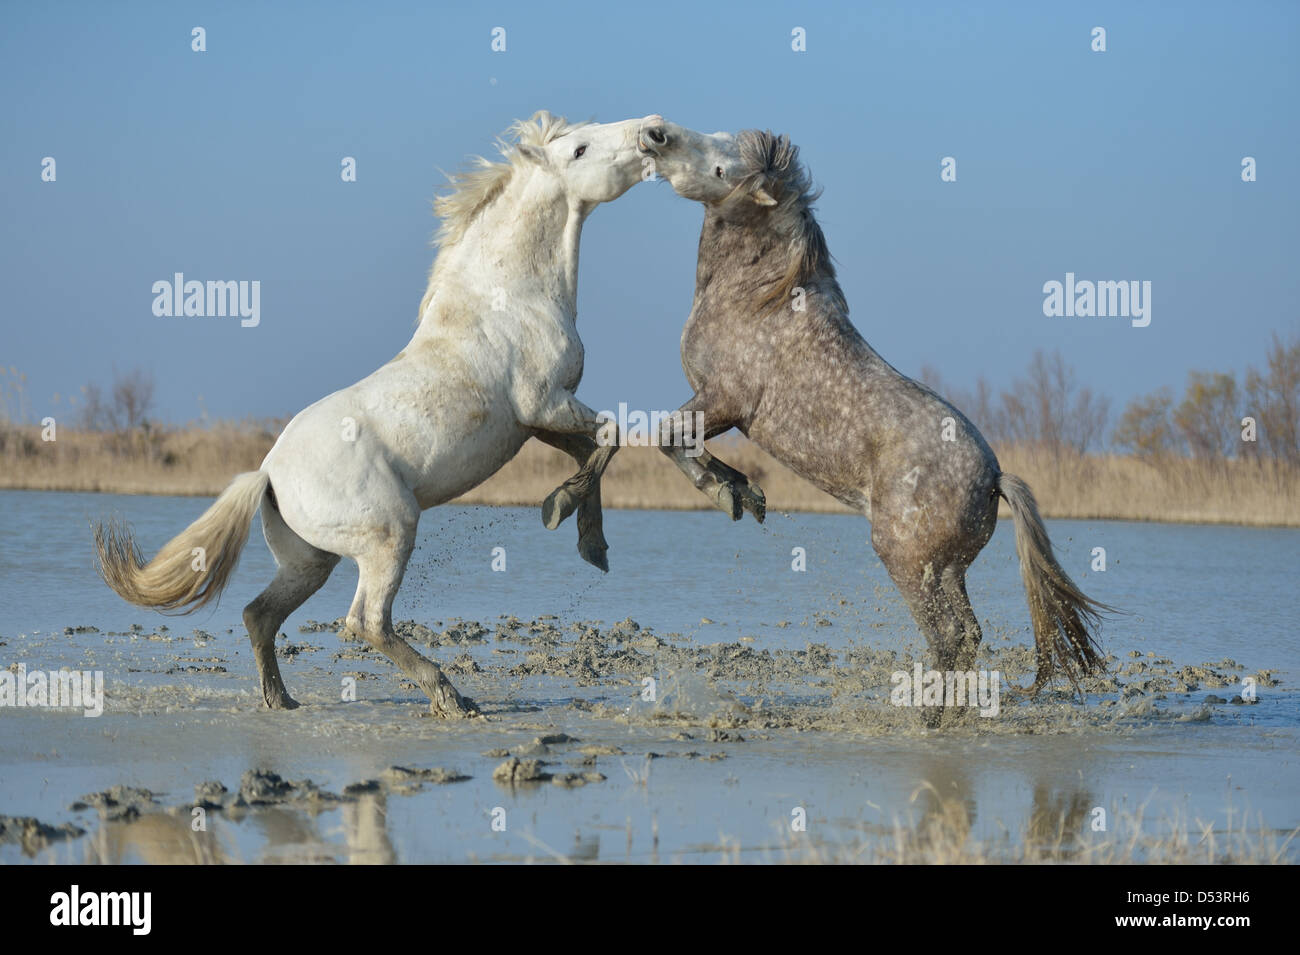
(811, 737)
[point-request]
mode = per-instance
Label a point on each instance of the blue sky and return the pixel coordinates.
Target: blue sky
(225, 165)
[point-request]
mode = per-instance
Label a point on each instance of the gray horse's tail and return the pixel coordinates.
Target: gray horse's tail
(193, 567)
(1065, 619)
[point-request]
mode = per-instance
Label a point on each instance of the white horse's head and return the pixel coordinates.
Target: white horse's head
(594, 162)
(549, 163)
(705, 167)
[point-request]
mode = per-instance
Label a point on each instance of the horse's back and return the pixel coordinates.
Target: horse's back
(399, 441)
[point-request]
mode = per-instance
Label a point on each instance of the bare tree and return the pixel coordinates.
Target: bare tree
(132, 400)
(1145, 428)
(94, 414)
(1207, 416)
(1273, 399)
(1049, 409)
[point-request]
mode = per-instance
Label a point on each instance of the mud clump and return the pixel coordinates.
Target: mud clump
(34, 835)
(404, 779)
(316, 626)
(463, 664)
(601, 750)
(210, 795)
(574, 780)
(260, 788)
(117, 803)
(541, 745)
(515, 772)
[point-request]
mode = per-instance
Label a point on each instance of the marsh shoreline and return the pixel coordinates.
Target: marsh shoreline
(199, 462)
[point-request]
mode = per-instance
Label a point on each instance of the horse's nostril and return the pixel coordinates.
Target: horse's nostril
(658, 136)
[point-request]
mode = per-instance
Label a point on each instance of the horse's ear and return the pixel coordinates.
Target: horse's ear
(762, 197)
(534, 154)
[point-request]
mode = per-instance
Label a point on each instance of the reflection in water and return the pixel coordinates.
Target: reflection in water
(947, 801)
(1053, 829)
(365, 827)
(292, 836)
(286, 835)
(586, 848)
(154, 839)
(1056, 823)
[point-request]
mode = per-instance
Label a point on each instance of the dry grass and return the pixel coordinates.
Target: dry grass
(201, 461)
(1058, 831)
(1264, 493)
(189, 461)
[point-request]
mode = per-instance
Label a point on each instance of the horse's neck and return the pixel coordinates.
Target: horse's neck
(742, 256)
(522, 250)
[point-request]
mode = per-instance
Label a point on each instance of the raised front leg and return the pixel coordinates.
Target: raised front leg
(565, 414)
(591, 536)
(730, 490)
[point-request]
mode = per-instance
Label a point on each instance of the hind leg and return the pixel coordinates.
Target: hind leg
(923, 590)
(371, 616)
(303, 570)
(921, 584)
(953, 581)
(928, 603)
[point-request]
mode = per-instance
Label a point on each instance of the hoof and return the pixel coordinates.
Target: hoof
(558, 505)
(1018, 693)
(728, 502)
(1034, 688)
(466, 710)
(280, 701)
(446, 703)
(753, 500)
(594, 554)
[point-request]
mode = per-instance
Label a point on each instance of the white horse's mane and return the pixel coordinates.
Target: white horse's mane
(474, 189)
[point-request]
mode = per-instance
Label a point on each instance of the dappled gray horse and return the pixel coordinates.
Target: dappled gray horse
(769, 350)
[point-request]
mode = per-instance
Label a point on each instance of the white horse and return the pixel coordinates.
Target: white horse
(494, 361)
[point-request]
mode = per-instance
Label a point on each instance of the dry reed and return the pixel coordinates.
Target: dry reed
(201, 461)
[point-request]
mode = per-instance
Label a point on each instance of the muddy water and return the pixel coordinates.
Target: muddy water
(771, 706)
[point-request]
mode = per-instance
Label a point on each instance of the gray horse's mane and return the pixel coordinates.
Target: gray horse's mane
(474, 189)
(771, 162)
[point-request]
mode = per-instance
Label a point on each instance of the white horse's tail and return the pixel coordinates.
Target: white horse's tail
(195, 565)
(1065, 619)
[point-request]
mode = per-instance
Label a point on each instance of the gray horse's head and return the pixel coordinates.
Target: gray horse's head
(769, 171)
(759, 168)
(699, 166)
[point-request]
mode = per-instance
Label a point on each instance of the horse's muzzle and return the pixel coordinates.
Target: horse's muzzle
(653, 135)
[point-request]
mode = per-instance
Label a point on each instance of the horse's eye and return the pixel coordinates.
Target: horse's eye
(577, 153)
(718, 171)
